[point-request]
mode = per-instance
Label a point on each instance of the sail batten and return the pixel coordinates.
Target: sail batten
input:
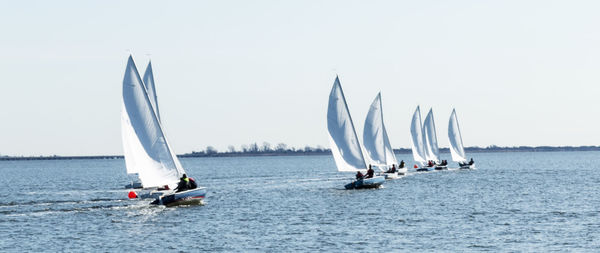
(454, 135)
(146, 148)
(345, 146)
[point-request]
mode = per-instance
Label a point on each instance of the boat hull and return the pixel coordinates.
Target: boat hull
(441, 167)
(402, 171)
(389, 175)
(132, 185)
(424, 169)
(366, 183)
(189, 197)
(467, 167)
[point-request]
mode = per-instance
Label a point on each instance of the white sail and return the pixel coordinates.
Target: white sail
(430, 138)
(456, 145)
(389, 152)
(416, 134)
(375, 138)
(150, 88)
(146, 148)
(345, 147)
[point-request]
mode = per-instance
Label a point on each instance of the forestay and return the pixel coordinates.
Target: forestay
(430, 138)
(456, 145)
(344, 143)
(375, 138)
(145, 146)
(416, 134)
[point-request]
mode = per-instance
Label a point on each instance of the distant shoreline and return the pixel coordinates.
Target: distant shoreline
(490, 149)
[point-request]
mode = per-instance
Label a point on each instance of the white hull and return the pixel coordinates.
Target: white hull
(389, 175)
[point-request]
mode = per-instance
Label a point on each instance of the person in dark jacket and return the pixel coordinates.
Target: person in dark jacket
(184, 184)
(370, 172)
(359, 175)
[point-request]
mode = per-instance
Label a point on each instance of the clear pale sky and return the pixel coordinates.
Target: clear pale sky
(236, 72)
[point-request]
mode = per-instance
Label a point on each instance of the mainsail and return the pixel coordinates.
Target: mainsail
(344, 143)
(416, 134)
(146, 149)
(375, 138)
(456, 145)
(430, 138)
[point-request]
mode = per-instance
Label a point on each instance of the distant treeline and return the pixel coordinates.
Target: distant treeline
(282, 149)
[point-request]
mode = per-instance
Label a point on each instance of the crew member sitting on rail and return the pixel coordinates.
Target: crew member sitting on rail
(359, 175)
(471, 162)
(392, 169)
(401, 164)
(430, 163)
(185, 183)
(370, 172)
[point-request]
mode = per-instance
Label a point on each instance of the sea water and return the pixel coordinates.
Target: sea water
(512, 202)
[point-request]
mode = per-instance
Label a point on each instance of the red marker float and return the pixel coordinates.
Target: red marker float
(132, 195)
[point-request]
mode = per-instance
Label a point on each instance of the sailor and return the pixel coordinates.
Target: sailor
(401, 164)
(359, 175)
(430, 163)
(370, 172)
(184, 184)
(393, 169)
(193, 184)
(471, 162)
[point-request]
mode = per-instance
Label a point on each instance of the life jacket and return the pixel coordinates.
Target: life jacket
(192, 183)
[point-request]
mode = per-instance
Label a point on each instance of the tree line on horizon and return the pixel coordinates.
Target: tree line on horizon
(282, 149)
(266, 149)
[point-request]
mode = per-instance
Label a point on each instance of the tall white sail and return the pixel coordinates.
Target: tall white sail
(416, 137)
(146, 148)
(375, 138)
(150, 88)
(456, 145)
(430, 138)
(344, 143)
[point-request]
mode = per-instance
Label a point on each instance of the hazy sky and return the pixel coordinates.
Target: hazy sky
(235, 72)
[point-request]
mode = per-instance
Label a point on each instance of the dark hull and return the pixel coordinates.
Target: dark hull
(189, 197)
(368, 183)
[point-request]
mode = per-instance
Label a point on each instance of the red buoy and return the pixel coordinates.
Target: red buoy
(416, 166)
(132, 195)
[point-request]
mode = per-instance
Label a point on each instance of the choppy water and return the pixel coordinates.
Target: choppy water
(512, 202)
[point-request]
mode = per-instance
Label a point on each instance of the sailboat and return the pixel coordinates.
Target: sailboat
(148, 81)
(457, 149)
(345, 147)
(417, 143)
(146, 149)
(377, 144)
(432, 152)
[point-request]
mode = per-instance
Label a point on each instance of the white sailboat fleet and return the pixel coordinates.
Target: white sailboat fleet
(146, 149)
(345, 147)
(350, 156)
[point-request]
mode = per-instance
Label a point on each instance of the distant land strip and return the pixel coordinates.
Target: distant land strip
(265, 151)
